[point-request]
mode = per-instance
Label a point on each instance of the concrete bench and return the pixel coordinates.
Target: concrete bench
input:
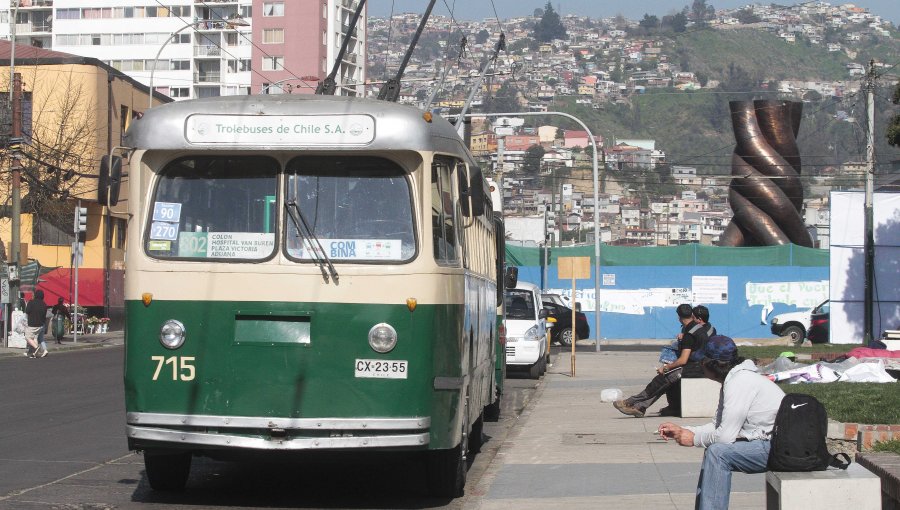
(856, 488)
(887, 467)
(699, 397)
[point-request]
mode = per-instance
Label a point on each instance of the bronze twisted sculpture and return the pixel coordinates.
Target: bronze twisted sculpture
(766, 194)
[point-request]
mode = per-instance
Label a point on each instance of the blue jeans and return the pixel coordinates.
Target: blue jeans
(720, 459)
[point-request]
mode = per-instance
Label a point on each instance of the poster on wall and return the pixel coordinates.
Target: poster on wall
(709, 290)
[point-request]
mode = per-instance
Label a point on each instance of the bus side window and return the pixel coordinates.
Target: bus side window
(443, 221)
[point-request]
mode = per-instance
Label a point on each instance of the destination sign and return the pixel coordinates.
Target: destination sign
(318, 130)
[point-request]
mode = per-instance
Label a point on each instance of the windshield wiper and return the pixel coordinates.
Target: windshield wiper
(318, 253)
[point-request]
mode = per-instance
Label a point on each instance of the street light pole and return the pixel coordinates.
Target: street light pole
(593, 141)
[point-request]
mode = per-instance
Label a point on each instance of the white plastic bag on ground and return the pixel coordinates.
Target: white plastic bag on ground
(868, 372)
(611, 395)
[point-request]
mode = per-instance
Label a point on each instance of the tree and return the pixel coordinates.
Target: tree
(700, 12)
(549, 27)
(747, 17)
(649, 22)
(679, 23)
(505, 100)
(893, 129)
(531, 163)
(61, 148)
(482, 36)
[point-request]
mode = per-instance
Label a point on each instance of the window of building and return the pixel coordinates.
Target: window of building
(238, 65)
(271, 9)
(181, 65)
(180, 11)
(273, 36)
(182, 39)
(231, 39)
(67, 14)
(51, 229)
(273, 64)
(246, 11)
(325, 10)
(180, 92)
(95, 40)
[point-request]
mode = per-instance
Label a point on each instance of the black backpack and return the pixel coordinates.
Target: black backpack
(798, 437)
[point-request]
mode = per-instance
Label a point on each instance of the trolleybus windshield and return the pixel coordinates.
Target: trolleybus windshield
(214, 207)
(358, 207)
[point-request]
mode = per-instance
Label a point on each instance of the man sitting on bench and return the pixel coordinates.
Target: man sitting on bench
(738, 439)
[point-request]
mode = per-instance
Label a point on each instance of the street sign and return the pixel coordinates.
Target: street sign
(4, 283)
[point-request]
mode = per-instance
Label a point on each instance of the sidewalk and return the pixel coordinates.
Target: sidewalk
(570, 450)
(84, 342)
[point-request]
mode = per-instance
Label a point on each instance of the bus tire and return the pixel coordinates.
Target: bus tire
(492, 410)
(446, 471)
(476, 437)
(167, 471)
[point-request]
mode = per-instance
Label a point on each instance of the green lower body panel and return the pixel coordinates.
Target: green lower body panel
(292, 376)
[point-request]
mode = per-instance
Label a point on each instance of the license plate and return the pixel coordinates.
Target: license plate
(382, 368)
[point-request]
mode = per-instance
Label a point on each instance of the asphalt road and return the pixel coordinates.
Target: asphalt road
(62, 445)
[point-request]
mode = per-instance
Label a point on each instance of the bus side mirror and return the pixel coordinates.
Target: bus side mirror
(543, 314)
(577, 306)
(511, 278)
(110, 176)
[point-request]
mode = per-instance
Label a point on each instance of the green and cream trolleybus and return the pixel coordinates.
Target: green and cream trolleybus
(306, 273)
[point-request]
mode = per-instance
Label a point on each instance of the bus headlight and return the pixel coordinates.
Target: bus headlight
(531, 335)
(382, 337)
(171, 334)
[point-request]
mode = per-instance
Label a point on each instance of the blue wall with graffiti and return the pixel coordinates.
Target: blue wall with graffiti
(639, 301)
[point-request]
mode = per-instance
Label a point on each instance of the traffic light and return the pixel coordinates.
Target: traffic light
(81, 223)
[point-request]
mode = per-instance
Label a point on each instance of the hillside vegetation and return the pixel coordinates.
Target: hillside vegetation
(763, 55)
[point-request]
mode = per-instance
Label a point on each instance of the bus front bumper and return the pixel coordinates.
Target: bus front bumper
(149, 430)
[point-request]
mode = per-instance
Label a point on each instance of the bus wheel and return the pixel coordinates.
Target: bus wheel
(167, 471)
(492, 410)
(446, 472)
(476, 437)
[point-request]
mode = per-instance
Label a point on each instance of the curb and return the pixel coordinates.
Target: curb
(865, 435)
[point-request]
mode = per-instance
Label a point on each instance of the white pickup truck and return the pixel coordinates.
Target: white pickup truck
(794, 324)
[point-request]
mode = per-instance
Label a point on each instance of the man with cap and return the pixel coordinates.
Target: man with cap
(738, 438)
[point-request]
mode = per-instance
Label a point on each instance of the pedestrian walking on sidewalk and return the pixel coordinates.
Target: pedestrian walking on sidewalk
(36, 312)
(60, 313)
(738, 438)
(693, 336)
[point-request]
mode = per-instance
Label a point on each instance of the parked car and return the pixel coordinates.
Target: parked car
(794, 324)
(561, 331)
(558, 300)
(818, 324)
(526, 336)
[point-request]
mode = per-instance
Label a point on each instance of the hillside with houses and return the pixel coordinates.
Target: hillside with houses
(654, 93)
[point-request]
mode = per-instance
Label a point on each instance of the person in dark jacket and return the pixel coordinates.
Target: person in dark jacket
(60, 310)
(36, 312)
(693, 334)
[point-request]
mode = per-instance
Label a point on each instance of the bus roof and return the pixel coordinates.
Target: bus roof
(295, 122)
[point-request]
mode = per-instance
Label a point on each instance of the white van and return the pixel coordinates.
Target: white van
(526, 335)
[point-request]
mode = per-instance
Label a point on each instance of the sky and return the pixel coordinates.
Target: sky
(633, 9)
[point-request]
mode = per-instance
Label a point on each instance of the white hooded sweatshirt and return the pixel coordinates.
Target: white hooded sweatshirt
(748, 403)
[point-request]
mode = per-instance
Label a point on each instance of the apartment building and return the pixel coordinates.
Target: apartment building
(202, 48)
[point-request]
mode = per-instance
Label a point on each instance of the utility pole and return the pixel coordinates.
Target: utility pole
(16, 176)
(553, 206)
(869, 240)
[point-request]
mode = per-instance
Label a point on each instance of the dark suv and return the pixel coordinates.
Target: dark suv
(561, 332)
